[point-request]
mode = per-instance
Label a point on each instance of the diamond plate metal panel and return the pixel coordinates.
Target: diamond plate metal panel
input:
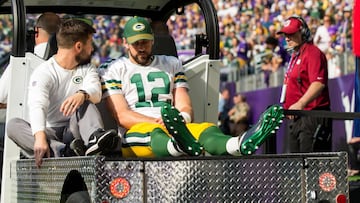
(129, 171)
(281, 178)
(326, 177)
(228, 180)
(32, 184)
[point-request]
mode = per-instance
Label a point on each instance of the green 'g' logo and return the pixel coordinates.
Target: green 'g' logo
(77, 79)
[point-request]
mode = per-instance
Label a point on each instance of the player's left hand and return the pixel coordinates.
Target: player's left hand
(160, 121)
(71, 104)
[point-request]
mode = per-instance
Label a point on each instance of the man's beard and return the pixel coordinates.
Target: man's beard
(83, 58)
(143, 60)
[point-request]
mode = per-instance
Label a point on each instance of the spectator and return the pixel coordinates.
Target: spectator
(272, 58)
(224, 107)
(322, 37)
(239, 115)
(333, 64)
(344, 31)
(242, 51)
(230, 61)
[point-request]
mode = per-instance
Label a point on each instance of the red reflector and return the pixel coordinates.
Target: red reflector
(119, 187)
(340, 198)
(327, 182)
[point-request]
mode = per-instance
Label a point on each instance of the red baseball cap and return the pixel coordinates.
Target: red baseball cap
(291, 26)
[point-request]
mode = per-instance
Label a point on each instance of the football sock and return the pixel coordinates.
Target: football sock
(162, 145)
(215, 142)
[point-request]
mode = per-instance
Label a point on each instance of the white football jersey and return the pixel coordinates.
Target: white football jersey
(145, 88)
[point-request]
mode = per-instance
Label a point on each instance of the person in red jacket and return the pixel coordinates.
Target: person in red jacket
(305, 88)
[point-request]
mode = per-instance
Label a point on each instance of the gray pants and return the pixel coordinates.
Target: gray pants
(82, 124)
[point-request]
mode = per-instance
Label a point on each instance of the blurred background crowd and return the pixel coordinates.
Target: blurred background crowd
(248, 42)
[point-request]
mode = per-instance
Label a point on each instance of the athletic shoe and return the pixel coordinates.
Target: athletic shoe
(102, 142)
(267, 125)
(75, 148)
(176, 126)
(77, 145)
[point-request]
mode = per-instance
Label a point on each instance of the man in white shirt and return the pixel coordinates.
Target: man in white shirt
(46, 25)
(62, 95)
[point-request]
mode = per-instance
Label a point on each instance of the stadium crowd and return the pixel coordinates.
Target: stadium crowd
(247, 28)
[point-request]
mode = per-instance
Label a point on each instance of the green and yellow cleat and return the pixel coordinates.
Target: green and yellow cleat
(176, 126)
(267, 125)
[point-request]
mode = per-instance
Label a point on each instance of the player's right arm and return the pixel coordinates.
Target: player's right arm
(124, 116)
(41, 147)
